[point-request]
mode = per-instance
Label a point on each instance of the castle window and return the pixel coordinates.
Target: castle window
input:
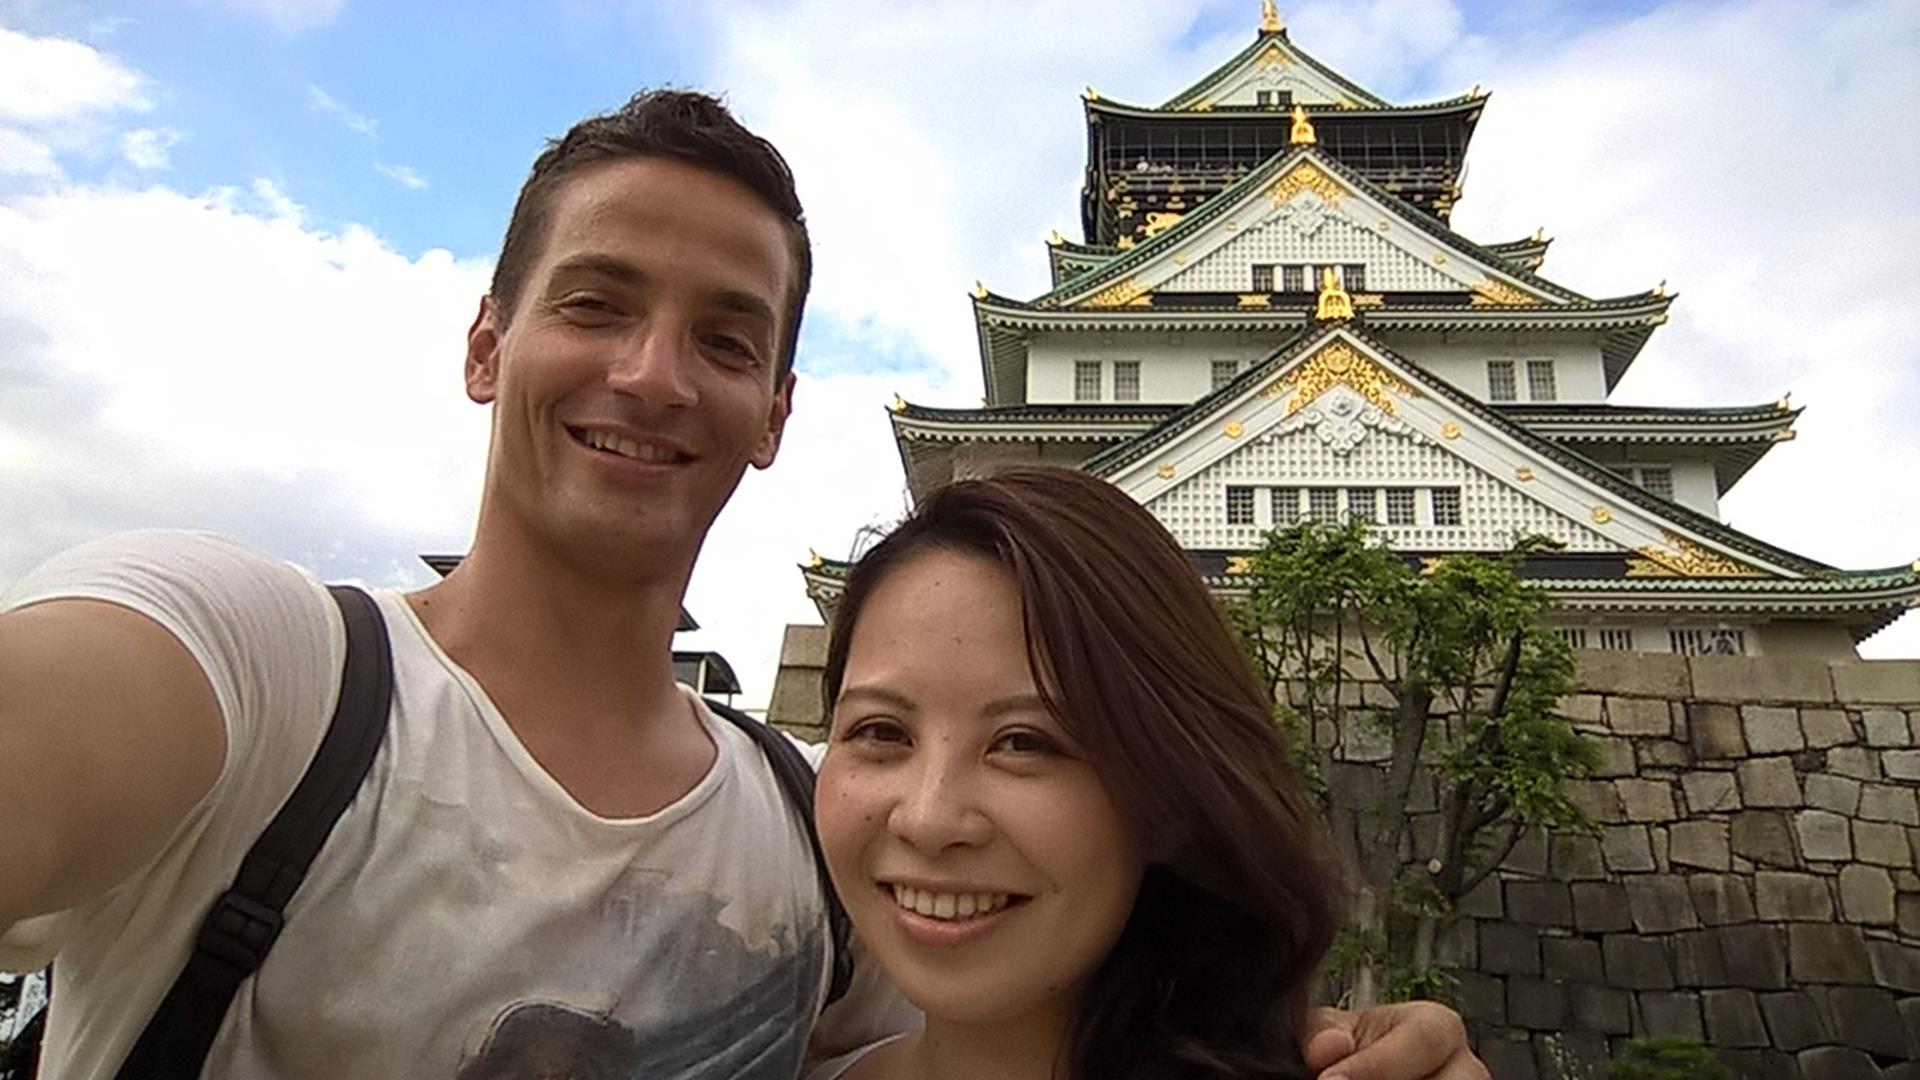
(1126, 380)
(1223, 372)
(1323, 504)
(1446, 506)
(1086, 380)
(1657, 479)
(1500, 383)
(1363, 505)
(1400, 506)
(1720, 642)
(1353, 276)
(1575, 636)
(1293, 278)
(1616, 639)
(1263, 277)
(1286, 506)
(1540, 385)
(1239, 506)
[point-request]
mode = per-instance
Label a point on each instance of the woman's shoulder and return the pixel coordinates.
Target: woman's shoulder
(840, 1068)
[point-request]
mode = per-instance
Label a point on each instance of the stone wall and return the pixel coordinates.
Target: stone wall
(1753, 884)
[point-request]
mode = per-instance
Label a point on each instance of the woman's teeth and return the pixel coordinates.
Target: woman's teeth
(939, 905)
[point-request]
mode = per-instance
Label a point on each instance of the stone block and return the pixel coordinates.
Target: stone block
(1363, 740)
(1840, 794)
(1754, 956)
(1582, 709)
(1646, 800)
(1483, 901)
(1886, 728)
(1720, 899)
(1570, 1055)
(1881, 843)
(1763, 837)
(1643, 674)
(1878, 681)
(1571, 960)
(1769, 782)
(1792, 897)
(1354, 787)
(1733, 1018)
(1458, 946)
(1604, 1009)
(1506, 1059)
(1640, 716)
(1600, 906)
(1866, 895)
(1616, 756)
(1828, 953)
(1657, 835)
(1855, 761)
(1697, 960)
(1664, 754)
(1785, 680)
(1824, 835)
(1907, 910)
(1827, 727)
(1636, 963)
(1539, 903)
(1910, 1012)
(1660, 904)
(1771, 729)
(1868, 1019)
(1538, 1004)
(1793, 1021)
(1901, 764)
(1598, 798)
(1896, 965)
(1710, 792)
(1674, 1012)
(1481, 998)
(1626, 849)
(1509, 949)
(1836, 1063)
(1886, 802)
(1701, 844)
(1757, 1064)
(1529, 856)
(1715, 731)
(1577, 858)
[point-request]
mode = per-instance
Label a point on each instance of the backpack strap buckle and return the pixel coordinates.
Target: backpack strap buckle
(234, 939)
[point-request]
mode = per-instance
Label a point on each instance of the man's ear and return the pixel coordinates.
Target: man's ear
(777, 414)
(483, 352)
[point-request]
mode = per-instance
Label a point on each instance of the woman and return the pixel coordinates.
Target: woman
(1055, 802)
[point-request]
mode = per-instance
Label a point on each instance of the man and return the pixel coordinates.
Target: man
(561, 862)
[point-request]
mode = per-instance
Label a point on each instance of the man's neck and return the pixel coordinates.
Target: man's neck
(580, 666)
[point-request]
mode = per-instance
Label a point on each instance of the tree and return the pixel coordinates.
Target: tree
(1469, 675)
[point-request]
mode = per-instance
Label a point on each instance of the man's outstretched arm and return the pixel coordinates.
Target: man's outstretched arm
(109, 735)
(1418, 1040)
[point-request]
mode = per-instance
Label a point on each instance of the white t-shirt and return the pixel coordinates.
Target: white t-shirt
(467, 918)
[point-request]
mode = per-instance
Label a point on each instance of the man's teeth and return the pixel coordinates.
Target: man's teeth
(625, 447)
(937, 905)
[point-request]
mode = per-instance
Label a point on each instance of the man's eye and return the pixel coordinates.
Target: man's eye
(735, 346)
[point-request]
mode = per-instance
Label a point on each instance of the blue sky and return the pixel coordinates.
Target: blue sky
(240, 240)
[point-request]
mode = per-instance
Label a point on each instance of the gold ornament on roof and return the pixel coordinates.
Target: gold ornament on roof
(814, 560)
(1127, 291)
(1688, 560)
(1523, 474)
(979, 290)
(1494, 291)
(1255, 299)
(1124, 243)
(1165, 472)
(1660, 289)
(1540, 235)
(1602, 515)
(1233, 429)
(1336, 363)
(1157, 223)
(1785, 402)
(1305, 176)
(1054, 239)
(1270, 18)
(1449, 430)
(1335, 304)
(1271, 57)
(1302, 133)
(899, 404)
(1239, 564)
(1090, 94)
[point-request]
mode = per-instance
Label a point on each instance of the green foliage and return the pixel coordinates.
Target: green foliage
(1355, 947)
(1423, 984)
(1667, 1057)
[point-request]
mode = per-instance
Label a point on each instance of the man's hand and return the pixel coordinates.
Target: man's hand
(1420, 1040)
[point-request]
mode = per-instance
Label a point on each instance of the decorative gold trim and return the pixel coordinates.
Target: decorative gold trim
(1270, 18)
(1368, 300)
(1338, 362)
(1301, 134)
(1449, 430)
(1119, 294)
(1523, 474)
(1787, 435)
(1165, 472)
(814, 561)
(1090, 94)
(1252, 299)
(1054, 239)
(1157, 223)
(1494, 291)
(1540, 234)
(899, 404)
(1272, 56)
(979, 290)
(1691, 560)
(1239, 564)
(1785, 403)
(1602, 515)
(1233, 226)
(1384, 226)
(1335, 305)
(1439, 258)
(1180, 259)
(1205, 104)
(1233, 429)
(1658, 320)
(1125, 243)
(1305, 176)
(1660, 289)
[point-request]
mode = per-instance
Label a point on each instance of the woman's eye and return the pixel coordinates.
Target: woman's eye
(1026, 743)
(876, 732)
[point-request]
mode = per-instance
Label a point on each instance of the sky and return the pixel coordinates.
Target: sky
(241, 240)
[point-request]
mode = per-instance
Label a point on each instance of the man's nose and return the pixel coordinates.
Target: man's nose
(655, 364)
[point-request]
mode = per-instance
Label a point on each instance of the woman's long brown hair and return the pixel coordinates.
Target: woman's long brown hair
(1131, 653)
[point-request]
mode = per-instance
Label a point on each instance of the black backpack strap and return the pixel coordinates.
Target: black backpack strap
(245, 920)
(791, 768)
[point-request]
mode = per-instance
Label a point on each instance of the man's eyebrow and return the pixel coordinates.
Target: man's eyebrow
(605, 265)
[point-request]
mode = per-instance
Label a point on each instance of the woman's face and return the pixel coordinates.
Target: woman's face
(983, 862)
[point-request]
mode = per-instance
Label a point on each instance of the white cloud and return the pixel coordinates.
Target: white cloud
(289, 15)
(405, 175)
(57, 98)
(322, 102)
(149, 148)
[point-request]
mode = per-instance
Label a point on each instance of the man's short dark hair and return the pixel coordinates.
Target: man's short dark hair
(682, 124)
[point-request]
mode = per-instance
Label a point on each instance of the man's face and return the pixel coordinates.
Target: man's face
(635, 380)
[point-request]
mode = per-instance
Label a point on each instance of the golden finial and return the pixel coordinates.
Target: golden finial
(1125, 242)
(1335, 304)
(813, 559)
(1660, 289)
(979, 290)
(1270, 18)
(1054, 239)
(1476, 92)
(1090, 94)
(899, 404)
(1785, 402)
(1540, 235)
(1302, 128)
